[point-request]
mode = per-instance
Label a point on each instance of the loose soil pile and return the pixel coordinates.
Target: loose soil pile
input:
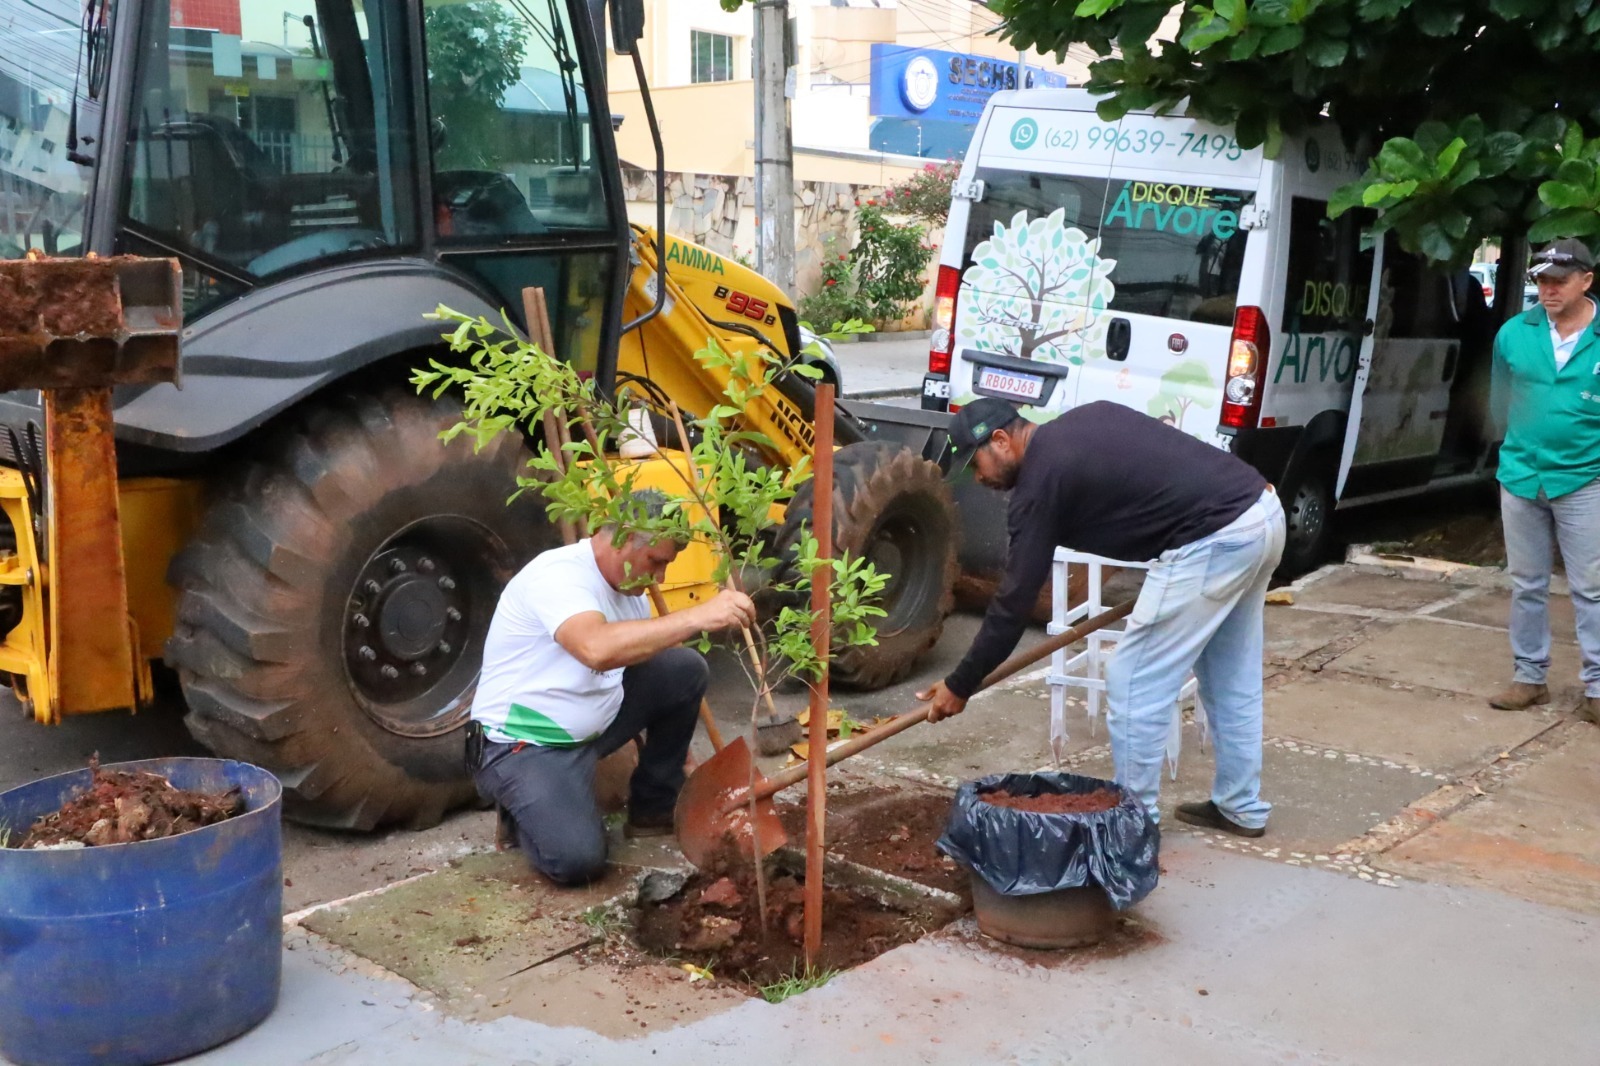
(887, 829)
(120, 807)
(1103, 799)
(715, 922)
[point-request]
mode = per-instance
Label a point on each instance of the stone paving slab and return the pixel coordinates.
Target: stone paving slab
(1292, 633)
(1321, 798)
(1536, 837)
(1475, 662)
(1492, 607)
(1004, 729)
(1354, 589)
(477, 935)
(1437, 731)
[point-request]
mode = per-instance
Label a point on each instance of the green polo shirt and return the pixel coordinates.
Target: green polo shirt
(1552, 418)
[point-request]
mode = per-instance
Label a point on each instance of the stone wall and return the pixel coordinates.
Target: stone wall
(718, 211)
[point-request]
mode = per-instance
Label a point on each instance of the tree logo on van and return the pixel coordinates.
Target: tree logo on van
(1189, 384)
(1037, 290)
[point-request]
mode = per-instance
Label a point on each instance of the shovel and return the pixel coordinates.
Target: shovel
(725, 807)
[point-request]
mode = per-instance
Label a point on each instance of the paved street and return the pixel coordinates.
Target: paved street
(885, 365)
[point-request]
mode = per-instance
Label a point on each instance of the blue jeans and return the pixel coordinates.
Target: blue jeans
(1533, 529)
(1200, 611)
(549, 792)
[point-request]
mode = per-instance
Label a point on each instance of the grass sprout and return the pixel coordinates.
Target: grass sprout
(795, 984)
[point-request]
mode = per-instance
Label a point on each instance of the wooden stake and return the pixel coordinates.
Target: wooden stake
(821, 633)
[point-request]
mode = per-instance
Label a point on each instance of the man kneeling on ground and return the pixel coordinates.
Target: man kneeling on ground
(574, 667)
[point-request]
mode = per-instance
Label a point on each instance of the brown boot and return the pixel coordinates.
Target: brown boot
(1589, 709)
(1520, 695)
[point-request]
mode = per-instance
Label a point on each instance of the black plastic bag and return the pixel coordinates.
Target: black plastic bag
(1020, 853)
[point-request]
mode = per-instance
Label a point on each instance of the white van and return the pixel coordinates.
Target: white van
(1154, 262)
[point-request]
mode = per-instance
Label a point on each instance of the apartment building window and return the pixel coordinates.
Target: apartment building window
(712, 58)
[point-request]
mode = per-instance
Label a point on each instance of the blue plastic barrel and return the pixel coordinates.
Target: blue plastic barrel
(139, 953)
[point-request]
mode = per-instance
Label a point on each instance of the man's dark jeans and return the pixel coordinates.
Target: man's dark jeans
(549, 792)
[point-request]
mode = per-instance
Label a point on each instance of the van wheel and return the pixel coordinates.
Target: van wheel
(1308, 514)
(894, 509)
(333, 607)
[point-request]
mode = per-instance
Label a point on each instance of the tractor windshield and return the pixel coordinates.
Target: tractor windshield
(272, 136)
(42, 193)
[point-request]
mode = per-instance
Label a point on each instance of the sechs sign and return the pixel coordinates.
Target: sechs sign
(927, 83)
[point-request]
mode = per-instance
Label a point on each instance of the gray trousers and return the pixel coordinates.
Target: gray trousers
(549, 792)
(1534, 528)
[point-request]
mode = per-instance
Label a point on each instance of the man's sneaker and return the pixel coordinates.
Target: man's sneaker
(1206, 814)
(1521, 695)
(1589, 709)
(647, 825)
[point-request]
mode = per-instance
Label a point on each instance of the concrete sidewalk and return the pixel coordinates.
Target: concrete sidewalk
(1235, 961)
(1428, 891)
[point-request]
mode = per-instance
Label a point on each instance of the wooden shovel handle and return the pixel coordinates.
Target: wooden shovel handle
(1017, 663)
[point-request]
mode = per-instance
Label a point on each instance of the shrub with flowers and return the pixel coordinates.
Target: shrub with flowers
(925, 195)
(880, 279)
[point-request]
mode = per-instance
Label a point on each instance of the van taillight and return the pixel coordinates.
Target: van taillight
(1247, 369)
(943, 343)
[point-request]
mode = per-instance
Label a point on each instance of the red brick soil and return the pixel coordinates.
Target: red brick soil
(119, 808)
(1103, 799)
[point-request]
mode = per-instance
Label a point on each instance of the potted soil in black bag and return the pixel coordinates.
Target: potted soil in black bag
(1053, 856)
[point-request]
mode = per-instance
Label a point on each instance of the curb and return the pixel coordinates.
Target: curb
(1423, 568)
(881, 394)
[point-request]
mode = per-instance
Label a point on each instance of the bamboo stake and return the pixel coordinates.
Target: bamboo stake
(821, 633)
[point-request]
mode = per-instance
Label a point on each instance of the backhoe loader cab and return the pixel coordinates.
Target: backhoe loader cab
(300, 547)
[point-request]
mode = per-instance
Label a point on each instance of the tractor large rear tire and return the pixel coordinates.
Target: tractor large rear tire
(893, 508)
(333, 607)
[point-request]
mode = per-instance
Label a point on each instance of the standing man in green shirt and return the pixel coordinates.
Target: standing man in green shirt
(1547, 383)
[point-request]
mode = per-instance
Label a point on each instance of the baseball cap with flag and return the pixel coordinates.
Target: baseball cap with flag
(1561, 259)
(973, 426)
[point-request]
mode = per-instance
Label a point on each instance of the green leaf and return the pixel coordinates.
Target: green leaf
(1326, 51)
(1092, 9)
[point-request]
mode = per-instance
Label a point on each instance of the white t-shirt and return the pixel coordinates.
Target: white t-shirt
(533, 689)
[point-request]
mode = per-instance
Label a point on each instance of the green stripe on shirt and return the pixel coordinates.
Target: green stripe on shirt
(525, 723)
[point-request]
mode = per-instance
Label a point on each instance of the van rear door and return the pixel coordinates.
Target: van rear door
(1401, 394)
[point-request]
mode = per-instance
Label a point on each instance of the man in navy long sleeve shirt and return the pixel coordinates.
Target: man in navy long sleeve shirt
(1110, 481)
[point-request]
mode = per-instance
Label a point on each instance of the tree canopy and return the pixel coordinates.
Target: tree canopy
(1480, 115)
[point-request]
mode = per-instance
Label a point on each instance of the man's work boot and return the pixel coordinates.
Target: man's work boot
(1206, 814)
(1589, 709)
(647, 825)
(1521, 695)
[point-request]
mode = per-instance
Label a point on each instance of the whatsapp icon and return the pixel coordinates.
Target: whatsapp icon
(1024, 133)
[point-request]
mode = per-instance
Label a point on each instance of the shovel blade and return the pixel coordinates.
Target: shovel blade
(712, 818)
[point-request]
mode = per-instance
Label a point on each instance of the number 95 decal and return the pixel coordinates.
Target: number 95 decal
(741, 303)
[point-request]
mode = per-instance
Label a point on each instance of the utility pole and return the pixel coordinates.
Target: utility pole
(774, 146)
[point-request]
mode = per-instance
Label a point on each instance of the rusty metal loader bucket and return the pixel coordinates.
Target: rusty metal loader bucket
(74, 329)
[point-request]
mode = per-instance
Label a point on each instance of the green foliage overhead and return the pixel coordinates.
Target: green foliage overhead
(509, 386)
(1479, 113)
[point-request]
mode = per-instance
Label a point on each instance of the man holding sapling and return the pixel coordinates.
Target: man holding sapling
(1105, 479)
(574, 667)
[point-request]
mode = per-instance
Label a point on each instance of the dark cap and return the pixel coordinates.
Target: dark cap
(1561, 259)
(973, 426)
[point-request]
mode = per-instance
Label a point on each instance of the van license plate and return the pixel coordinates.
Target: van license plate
(1022, 386)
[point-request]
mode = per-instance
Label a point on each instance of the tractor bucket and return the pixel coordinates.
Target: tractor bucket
(74, 328)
